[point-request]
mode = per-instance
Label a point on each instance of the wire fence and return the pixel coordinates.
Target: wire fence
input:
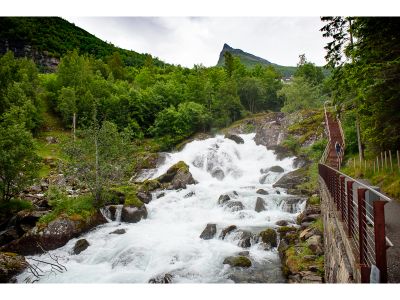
(361, 209)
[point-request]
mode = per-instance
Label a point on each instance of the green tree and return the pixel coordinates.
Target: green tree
(228, 63)
(99, 158)
(300, 95)
(18, 162)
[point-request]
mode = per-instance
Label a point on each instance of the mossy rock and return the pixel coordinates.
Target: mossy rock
(11, 264)
(285, 229)
(150, 185)
(128, 195)
(238, 261)
(269, 236)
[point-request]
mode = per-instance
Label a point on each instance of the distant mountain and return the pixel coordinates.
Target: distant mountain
(250, 60)
(46, 39)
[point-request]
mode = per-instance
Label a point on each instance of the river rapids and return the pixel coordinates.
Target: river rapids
(168, 241)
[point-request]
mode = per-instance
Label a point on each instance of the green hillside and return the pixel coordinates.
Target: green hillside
(55, 37)
(250, 60)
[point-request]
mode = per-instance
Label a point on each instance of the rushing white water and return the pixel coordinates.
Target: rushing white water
(168, 240)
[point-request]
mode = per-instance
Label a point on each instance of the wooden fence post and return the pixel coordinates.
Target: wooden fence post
(377, 162)
(391, 163)
(386, 165)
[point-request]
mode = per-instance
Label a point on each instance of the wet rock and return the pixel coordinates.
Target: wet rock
(269, 236)
(166, 278)
(144, 197)
(227, 230)
(218, 173)
(234, 205)
(53, 235)
(262, 192)
(275, 169)
(245, 238)
(260, 204)
(278, 192)
(237, 139)
(11, 264)
(244, 253)
(223, 198)
(281, 223)
(263, 179)
(237, 261)
(292, 179)
(188, 195)
(209, 232)
(133, 214)
(80, 245)
(291, 204)
(177, 177)
(301, 162)
(160, 195)
(118, 231)
(281, 151)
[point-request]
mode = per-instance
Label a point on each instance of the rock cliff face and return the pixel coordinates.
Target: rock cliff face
(43, 59)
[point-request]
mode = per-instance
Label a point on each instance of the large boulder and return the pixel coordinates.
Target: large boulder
(176, 177)
(209, 232)
(292, 179)
(227, 230)
(260, 204)
(11, 264)
(269, 236)
(80, 245)
(237, 139)
(133, 214)
(53, 235)
(237, 261)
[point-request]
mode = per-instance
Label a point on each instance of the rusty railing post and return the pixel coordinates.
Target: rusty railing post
(350, 208)
(362, 228)
(342, 197)
(380, 239)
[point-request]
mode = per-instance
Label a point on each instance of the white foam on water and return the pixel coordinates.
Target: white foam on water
(168, 240)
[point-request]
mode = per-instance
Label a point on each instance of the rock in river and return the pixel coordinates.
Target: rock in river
(237, 139)
(133, 214)
(80, 245)
(238, 261)
(209, 232)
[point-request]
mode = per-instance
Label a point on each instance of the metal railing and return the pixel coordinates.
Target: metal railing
(361, 209)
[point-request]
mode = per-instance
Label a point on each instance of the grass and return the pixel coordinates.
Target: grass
(296, 260)
(386, 179)
(14, 206)
(76, 208)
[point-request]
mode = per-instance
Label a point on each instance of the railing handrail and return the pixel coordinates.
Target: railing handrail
(365, 186)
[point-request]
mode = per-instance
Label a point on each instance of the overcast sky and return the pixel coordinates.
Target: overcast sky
(198, 40)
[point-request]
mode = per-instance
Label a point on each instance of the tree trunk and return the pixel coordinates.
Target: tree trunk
(360, 149)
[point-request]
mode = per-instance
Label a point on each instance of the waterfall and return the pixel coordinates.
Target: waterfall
(168, 241)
